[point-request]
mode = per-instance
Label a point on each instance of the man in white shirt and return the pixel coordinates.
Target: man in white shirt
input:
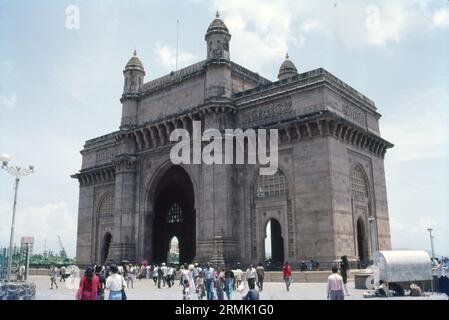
(238, 277)
(335, 285)
(164, 270)
(251, 276)
(169, 277)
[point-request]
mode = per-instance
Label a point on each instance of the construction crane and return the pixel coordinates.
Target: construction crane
(62, 253)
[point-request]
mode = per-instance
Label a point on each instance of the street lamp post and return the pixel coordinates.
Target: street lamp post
(17, 172)
(372, 226)
(431, 242)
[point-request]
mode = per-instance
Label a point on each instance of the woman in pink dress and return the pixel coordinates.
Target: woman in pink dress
(89, 285)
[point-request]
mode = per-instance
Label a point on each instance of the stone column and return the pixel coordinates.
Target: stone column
(215, 240)
(123, 246)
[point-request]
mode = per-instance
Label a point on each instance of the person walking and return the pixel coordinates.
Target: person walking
(53, 276)
(62, 274)
(209, 274)
(238, 277)
(154, 274)
(229, 282)
(287, 275)
(219, 282)
(115, 283)
(160, 276)
(200, 289)
(251, 275)
(89, 285)
(252, 294)
(260, 275)
(169, 276)
(186, 290)
(130, 276)
(442, 272)
(344, 268)
(100, 273)
(164, 273)
(335, 286)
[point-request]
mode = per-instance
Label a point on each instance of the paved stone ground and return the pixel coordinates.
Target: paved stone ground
(146, 290)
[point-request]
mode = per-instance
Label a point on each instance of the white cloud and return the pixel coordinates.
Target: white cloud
(8, 102)
(305, 28)
(167, 56)
(260, 29)
(412, 233)
(418, 127)
(264, 30)
(42, 222)
(440, 18)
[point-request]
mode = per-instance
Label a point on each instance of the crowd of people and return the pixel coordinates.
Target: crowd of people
(206, 282)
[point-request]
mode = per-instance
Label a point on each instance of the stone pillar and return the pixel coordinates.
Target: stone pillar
(123, 246)
(215, 240)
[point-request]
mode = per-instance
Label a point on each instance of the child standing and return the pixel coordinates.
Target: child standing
(186, 290)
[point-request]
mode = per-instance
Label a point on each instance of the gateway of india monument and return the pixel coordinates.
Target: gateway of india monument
(327, 199)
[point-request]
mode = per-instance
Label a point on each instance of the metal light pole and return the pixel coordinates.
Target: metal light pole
(17, 172)
(372, 227)
(431, 241)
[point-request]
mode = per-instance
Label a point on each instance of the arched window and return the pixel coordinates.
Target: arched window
(271, 185)
(358, 182)
(175, 214)
(107, 205)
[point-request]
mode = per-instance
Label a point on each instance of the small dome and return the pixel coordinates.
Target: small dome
(217, 25)
(287, 69)
(134, 62)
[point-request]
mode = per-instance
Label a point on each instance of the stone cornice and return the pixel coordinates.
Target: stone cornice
(96, 175)
(156, 134)
(314, 78)
(327, 123)
(248, 74)
(101, 140)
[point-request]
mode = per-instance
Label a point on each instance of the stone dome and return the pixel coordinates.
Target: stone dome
(217, 25)
(287, 69)
(134, 62)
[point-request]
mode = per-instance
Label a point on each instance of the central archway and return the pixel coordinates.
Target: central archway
(174, 216)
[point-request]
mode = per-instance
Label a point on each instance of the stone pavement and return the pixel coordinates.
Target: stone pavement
(146, 290)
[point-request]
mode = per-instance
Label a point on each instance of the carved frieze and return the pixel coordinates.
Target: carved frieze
(124, 163)
(105, 156)
(267, 114)
(352, 114)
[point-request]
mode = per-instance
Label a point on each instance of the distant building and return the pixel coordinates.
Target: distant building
(24, 241)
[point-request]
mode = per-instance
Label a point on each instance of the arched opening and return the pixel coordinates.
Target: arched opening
(173, 251)
(174, 215)
(362, 246)
(105, 247)
(274, 243)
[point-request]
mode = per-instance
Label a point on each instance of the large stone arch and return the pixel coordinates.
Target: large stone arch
(155, 227)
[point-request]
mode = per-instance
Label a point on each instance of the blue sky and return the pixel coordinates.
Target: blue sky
(60, 87)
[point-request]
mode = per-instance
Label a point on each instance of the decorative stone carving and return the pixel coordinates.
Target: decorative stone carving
(124, 163)
(105, 156)
(356, 116)
(267, 114)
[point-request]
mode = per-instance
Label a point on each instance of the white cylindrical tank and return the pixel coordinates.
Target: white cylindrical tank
(403, 265)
